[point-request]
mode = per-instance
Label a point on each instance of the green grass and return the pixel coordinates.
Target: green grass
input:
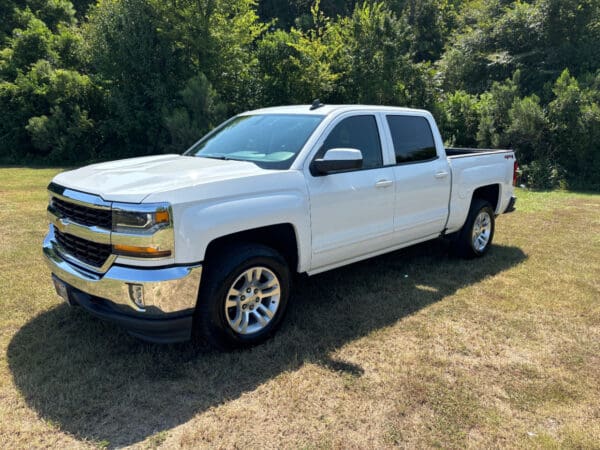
(411, 349)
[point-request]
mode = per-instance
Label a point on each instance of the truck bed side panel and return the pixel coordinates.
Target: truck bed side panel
(472, 172)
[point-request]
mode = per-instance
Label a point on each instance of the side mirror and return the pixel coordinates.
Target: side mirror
(337, 160)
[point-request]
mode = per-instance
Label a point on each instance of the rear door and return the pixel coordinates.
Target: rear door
(351, 212)
(422, 178)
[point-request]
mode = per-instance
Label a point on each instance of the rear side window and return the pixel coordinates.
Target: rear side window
(358, 132)
(413, 139)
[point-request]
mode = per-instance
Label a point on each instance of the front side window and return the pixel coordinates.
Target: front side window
(360, 133)
(412, 138)
(271, 141)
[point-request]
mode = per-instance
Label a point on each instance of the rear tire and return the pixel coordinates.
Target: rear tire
(243, 297)
(475, 238)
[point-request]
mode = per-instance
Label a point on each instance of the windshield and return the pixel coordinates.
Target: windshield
(271, 141)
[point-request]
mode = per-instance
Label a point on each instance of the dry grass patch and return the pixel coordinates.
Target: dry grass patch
(412, 349)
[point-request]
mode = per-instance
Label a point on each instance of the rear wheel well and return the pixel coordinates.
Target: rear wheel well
(281, 237)
(489, 193)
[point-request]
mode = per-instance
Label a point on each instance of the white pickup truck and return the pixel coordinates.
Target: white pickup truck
(205, 244)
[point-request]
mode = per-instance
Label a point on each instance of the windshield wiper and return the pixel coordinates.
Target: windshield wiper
(228, 158)
(221, 157)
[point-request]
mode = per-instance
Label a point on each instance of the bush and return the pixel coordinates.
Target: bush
(543, 175)
(460, 119)
(575, 118)
(528, 130)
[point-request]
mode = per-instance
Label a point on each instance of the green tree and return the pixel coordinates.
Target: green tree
(460, 119)
(571, 32)
(44, 114)
(315, 50)
(528, 130)
(44, 101)
(540, 38)
(277, 67)
(201, 110)
(136, 63)
(217, 38)
(26, 46)
(372, 56)
(494, 108)
(575, 117)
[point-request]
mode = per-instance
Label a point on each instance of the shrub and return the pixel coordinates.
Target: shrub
(543, 174)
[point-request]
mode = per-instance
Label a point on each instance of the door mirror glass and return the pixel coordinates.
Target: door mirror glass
(337, 160)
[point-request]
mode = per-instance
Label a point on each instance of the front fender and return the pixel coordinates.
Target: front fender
(197, 225)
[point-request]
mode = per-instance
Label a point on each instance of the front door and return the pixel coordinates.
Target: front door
(352, 213)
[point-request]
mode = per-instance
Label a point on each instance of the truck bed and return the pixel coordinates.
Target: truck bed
(478, 167)
(454, 152)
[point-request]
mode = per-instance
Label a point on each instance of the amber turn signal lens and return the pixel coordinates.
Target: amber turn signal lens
(140, 252)
(162, 217)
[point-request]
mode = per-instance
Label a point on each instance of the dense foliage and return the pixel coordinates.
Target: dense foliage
(83, 81)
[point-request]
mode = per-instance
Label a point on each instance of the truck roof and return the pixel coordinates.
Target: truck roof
(328, 109)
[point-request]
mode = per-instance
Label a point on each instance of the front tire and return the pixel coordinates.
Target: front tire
(475, 238)
(243, 297)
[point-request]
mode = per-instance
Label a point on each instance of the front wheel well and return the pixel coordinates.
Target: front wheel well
(490, 193)
(280, 237)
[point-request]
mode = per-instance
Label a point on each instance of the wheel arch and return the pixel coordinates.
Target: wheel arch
(490, 193)
(281, 237)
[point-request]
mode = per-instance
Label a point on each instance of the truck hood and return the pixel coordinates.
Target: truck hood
(132, 180)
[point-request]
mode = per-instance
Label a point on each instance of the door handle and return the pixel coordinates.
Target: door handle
(441, 175)
(383, 184)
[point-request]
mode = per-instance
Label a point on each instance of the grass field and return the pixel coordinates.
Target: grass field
(412, 349)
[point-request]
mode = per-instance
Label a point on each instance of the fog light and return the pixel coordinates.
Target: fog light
(136, 294)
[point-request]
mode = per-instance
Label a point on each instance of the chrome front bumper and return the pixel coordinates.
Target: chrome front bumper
(167, 291)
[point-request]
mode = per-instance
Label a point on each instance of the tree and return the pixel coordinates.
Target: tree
(460, 119)
(44, 104)
(494, 107)
(278, 68)
(218, 39)
(540, 38)
(139, 68)
(26, 46)
(315, 50)
(140, 77)
(201, 110)
(575, 117)
(372, 56)
(528, 130)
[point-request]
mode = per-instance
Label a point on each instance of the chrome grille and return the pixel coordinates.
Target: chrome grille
(83, 215)
(90, 253)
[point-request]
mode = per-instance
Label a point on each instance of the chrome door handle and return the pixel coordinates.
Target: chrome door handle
(441, 175)
(383, 184)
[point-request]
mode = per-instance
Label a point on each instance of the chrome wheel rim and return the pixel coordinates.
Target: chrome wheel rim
(252, 300)
(482, 230)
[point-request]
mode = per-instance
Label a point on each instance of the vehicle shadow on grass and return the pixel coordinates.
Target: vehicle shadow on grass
(93, 380)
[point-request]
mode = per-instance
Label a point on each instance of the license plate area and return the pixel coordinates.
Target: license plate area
(61, 289)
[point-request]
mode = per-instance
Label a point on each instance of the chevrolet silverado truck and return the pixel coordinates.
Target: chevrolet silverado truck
(205, 244)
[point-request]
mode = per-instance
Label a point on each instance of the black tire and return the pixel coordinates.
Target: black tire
(211, 324)
(464, 245)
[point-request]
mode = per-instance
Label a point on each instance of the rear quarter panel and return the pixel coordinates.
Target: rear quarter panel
(470, 172)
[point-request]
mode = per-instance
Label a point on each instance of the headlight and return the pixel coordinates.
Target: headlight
(145, 219)
(142, 231)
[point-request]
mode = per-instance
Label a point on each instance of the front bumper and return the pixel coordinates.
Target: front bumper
(169, 329)
(170, 295)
